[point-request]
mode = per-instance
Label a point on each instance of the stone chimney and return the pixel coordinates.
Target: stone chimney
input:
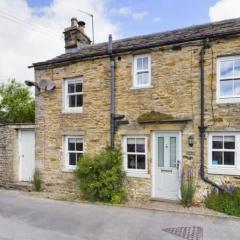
(75, 36)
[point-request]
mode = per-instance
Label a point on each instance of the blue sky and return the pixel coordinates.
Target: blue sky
(159, 15)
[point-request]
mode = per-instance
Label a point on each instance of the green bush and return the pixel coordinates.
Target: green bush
(188, 188)
(101, 176)
(226, 202)
(37, 182)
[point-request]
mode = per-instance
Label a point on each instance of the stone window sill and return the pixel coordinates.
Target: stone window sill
(232, 171)
(228, 100)
(68, 170)
(137, 174)
(141, 88)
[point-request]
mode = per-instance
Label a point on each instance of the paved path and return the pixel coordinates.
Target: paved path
(24, 218)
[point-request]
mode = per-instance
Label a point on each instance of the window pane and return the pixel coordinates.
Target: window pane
(229, 158)
(229, 142)
(142, 78)
(72, 101)
(79, 100)
(172, 151)
(226, 69)
(217, 158)
(217, 142)
(79, 87)
(79, 155)
(71, 144)
(140, 161)
(237, 87)
(131, 161)
(71, 88)
(139, 64)
(72, 158)
(131, 145)
(140, 144)
(237, 68)
(79, 144)
(145, 63)
(226, 88)
(160, 152)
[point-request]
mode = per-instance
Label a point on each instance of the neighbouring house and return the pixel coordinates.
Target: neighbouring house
(169, 99)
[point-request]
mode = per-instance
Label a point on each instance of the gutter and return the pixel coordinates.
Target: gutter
(202, 128)
(116, 51)
(112, 93)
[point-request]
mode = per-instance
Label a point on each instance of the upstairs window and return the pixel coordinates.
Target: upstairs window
(73, 95)
(228, 74)
(142, 71)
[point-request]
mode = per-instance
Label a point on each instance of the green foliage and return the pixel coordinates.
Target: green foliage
(188, 188)
(16, 103)
(37, 182)
(226, 202)
(101, 176)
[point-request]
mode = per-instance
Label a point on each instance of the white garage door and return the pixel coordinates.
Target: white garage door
(27, 154)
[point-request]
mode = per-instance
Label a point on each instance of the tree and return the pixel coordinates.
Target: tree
(16, 103)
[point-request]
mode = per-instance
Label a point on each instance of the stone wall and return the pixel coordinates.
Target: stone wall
(6, 154)
(175, 90)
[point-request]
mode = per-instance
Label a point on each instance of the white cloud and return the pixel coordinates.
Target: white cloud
(139, 15)
(30, 35)
(129, 12)
(224, 9)
(123, 11)
(156, 19)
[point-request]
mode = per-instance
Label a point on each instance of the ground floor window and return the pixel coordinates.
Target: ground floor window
(73, 151)
(135, 154)
(224, 152)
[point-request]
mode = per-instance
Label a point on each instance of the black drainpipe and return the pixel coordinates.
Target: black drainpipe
(112, 94)
(202, 127)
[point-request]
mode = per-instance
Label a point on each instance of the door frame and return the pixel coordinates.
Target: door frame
(154, 133)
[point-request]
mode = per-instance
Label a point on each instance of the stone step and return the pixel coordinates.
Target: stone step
(22, 186)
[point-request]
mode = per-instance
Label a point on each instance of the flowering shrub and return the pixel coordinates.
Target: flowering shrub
(227, 202)
(101, 176)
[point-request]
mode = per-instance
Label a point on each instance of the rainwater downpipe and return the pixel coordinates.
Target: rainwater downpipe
(112, 93)
(202, 128)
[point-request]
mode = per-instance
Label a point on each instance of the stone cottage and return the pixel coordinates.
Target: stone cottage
(169, 100)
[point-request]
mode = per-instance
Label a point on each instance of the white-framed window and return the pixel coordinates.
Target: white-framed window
(73, 95)
(228, 79)
(142, 71)
(135, 155)
(73, 151)
(224, 153)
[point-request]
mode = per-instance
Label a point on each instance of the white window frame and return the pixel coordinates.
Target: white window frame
(225, 99)
(224, 169)
(135, 71)
(135, 172)
(68, 109)
(66, 159)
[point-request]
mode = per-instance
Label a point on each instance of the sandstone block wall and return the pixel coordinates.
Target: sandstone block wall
(175, 90)
(6, 155)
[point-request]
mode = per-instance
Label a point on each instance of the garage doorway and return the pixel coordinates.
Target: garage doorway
(26, 139)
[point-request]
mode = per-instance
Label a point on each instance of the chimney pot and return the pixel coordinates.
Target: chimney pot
(74, 22)
(81, 25)
(74, 36)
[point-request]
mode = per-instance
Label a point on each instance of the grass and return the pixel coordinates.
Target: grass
(225, 202)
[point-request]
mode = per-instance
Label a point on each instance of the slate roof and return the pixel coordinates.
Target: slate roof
(197, 32)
